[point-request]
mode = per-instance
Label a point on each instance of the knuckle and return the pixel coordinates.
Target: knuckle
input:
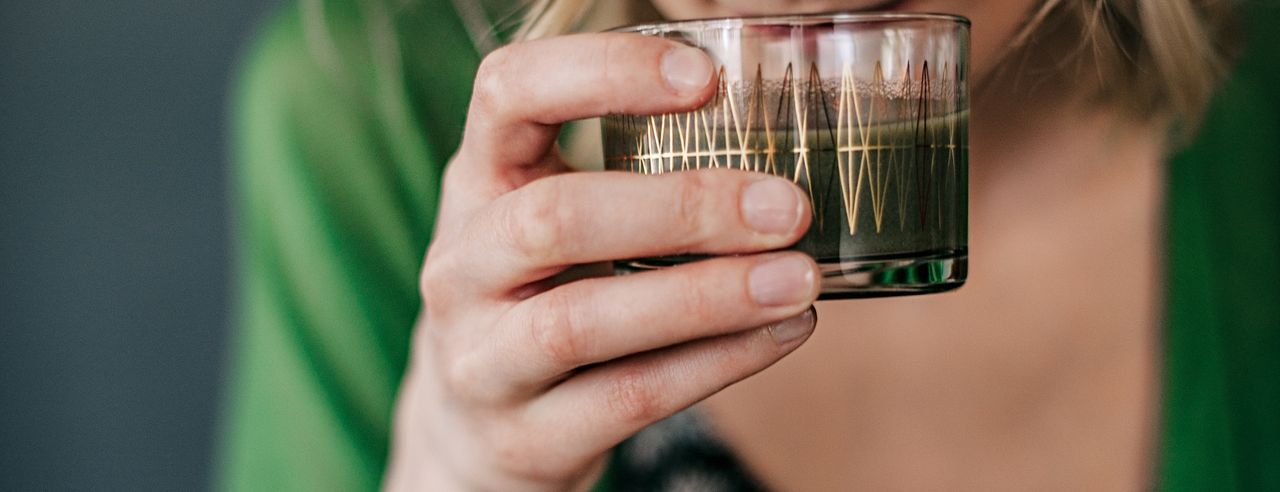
(615, 54)
(431, 283)
(451, 178)
(556, 331)
(625, 59)
(466, 374)
(697, 301)
(535, 225)
(437, 284)
(693, 192)
(461, 376)
(491, 78)
(633, 397)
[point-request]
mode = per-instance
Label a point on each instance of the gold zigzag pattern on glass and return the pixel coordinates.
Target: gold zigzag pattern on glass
(884, 136)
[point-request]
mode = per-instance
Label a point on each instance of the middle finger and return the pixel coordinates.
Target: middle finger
(576, 218)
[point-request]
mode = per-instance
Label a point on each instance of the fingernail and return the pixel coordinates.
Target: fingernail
(782, 281)
(771, 206)
(686, 69)
(792, 329)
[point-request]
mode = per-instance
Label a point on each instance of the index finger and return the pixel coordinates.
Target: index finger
(523, 92)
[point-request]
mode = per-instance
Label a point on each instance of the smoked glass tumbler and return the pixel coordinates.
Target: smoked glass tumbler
(867, 113)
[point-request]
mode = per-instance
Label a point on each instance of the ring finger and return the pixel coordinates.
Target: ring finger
(600, 319)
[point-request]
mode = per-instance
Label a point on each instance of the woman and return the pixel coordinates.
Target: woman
(1043, 372)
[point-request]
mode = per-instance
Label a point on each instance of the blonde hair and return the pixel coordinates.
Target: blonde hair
(551, 17)
(1154, 58)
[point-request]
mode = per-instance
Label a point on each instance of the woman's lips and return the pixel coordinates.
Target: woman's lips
(884, 6)
(887, 6)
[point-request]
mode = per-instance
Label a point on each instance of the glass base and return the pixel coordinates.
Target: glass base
(854, 278)
(893, 276)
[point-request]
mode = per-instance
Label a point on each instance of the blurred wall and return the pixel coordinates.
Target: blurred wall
(113, 239)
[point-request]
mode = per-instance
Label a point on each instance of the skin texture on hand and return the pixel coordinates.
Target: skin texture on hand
(527, 367)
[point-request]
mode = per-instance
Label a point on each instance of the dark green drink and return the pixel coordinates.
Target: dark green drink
(880, 147)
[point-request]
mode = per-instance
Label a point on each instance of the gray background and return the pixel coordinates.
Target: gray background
(114, 239)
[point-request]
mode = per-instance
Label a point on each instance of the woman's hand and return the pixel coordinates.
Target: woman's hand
(525, 371)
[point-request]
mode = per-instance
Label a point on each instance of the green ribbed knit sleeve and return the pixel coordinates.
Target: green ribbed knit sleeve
(343, 121)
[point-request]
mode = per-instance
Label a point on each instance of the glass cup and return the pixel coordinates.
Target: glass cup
(867, 113)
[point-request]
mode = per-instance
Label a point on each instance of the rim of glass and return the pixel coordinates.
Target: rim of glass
(794, 20)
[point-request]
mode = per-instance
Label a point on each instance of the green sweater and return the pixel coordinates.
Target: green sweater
(343, 123)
